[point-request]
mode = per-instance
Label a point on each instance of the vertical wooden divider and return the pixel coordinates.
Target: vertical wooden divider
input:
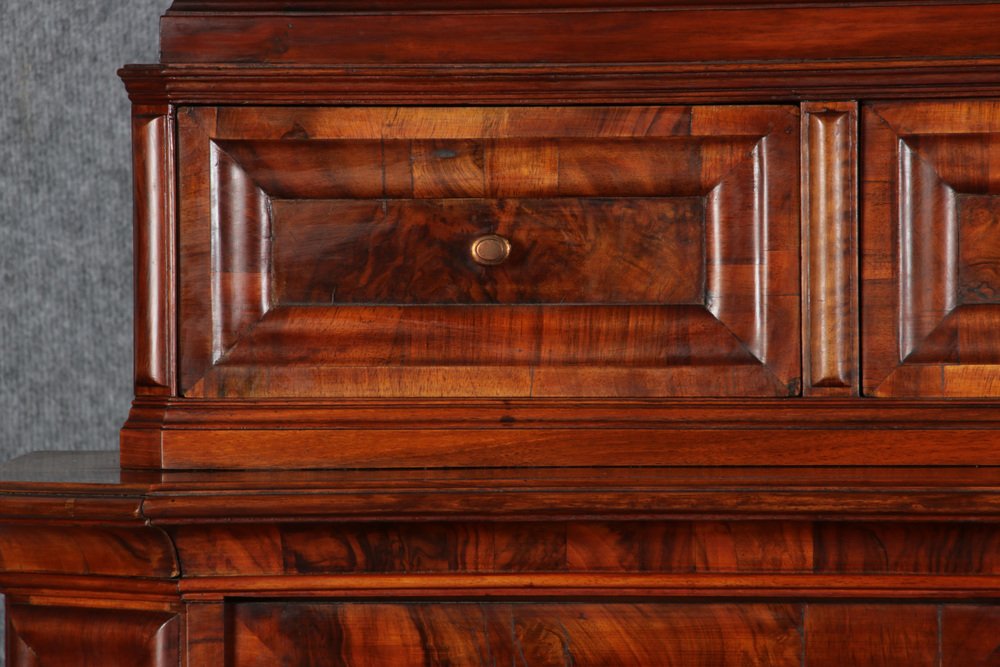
(829, 243)
(152, 138)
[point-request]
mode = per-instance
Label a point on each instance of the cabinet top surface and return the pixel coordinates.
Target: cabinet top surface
(365, 6)
(572, 32)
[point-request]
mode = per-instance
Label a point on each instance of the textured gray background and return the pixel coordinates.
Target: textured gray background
(65, 219)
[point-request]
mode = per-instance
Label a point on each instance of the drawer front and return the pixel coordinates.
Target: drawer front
(931, 249)
(489, 252)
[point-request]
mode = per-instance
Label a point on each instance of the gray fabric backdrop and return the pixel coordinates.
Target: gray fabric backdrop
(65, 219)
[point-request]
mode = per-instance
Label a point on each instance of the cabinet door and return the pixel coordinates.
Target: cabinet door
(931, 249)
(489, 252)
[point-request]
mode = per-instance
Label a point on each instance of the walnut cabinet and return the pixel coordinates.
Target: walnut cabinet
(562, 332)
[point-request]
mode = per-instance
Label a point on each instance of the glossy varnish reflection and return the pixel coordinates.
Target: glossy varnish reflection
(653, 252)
(829, 231)
(929, 258)
(560, 332)
(574, 566)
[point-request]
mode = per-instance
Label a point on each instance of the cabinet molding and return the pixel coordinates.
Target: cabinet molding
(829, 233)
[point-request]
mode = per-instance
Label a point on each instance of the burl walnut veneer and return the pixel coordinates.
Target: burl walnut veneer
(559, 332)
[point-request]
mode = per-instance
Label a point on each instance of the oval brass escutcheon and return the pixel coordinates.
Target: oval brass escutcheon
(490, 249)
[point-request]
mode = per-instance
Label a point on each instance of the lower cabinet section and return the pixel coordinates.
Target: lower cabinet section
(614, 633)
(473, 633)
(588, 567)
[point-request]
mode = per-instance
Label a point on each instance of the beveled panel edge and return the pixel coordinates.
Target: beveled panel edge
(904, 188)
(669, 83)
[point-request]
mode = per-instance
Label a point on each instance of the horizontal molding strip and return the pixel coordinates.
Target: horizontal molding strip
(598, 585)
(563, 84)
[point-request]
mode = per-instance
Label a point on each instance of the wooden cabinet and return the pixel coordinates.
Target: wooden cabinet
(574, 566)
(560, 332)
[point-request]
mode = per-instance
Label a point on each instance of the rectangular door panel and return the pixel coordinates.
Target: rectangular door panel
(489, 252)
(931, 249)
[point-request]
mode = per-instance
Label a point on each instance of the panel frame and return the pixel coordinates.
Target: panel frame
(911, 250)
(757, 309)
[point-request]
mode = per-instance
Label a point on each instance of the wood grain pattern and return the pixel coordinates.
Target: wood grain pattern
(939, 548)
(578, 546)
(309, 175)
(153, 243)
(970, 636)
(927, 286)
(86, 549)
(547, 36)
(520, 433)
(296, 6)
(653, 546)
(599, 566)
(496, 633)
(39, 637)
(674, 181)
(567, 250)
(261, 448)
(906, 493)
(871, 635)
(204, 634)
(829, 230)
(979, 259)
(196, 328)
(669, 83)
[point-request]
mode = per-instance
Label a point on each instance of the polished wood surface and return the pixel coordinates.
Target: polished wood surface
(153, 246)
(930, 262)
(358, 433)
(829, 236)
(289, 277)
(335, 162)
(533, 634)
(559, 35)
(759, 566)
(722, 391)
(39, 637)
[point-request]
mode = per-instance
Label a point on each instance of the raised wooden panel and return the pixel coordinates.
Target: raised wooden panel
(829, 230)
(931, 268)
(416, 251)
(61, 636)
(326, 252)
(466, 634)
